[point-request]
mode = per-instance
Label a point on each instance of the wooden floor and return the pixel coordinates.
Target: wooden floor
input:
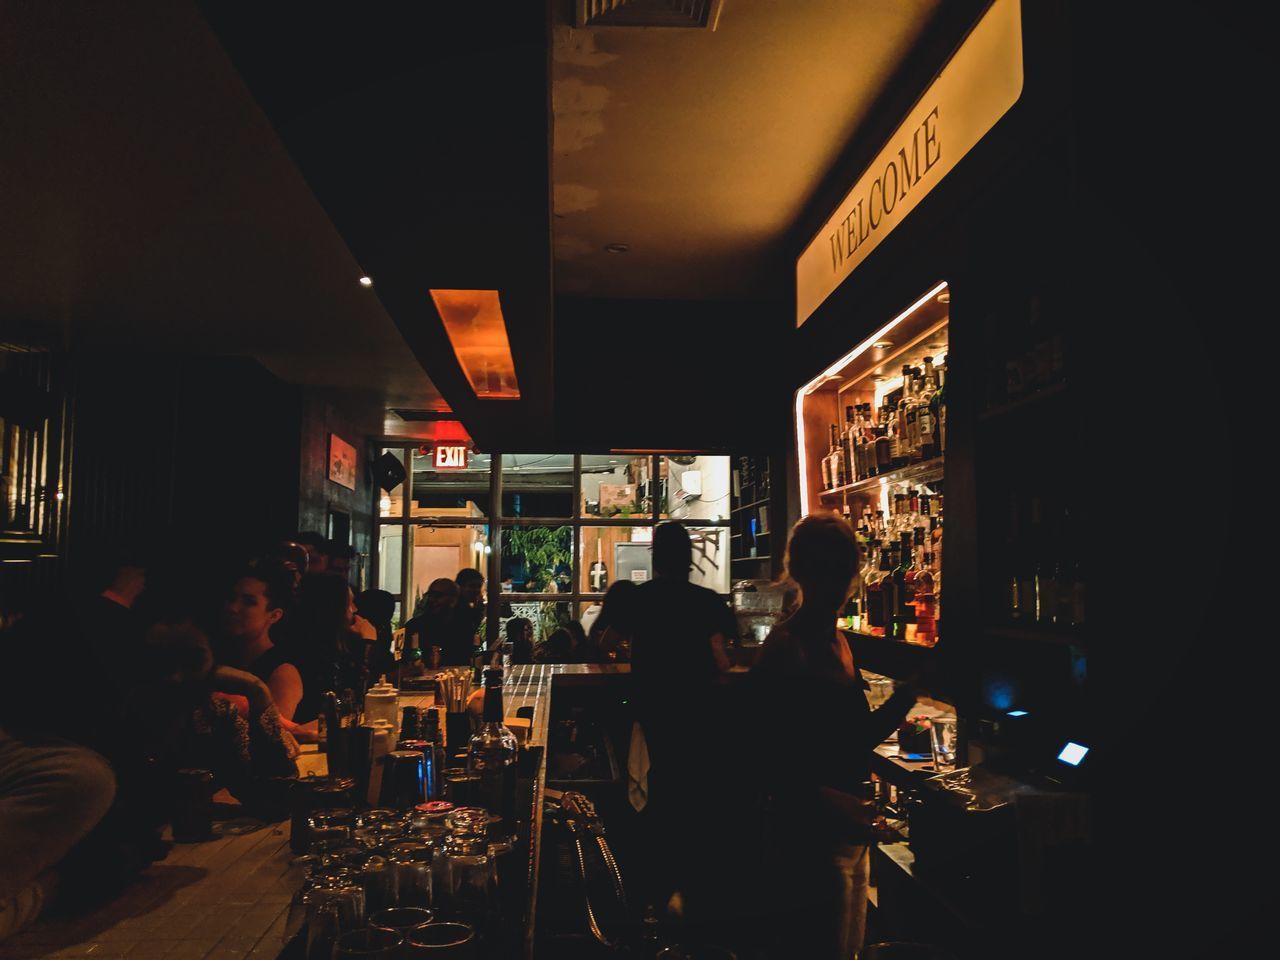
(222, 899)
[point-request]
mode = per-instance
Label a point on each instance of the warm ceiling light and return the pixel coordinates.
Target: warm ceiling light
(944, 298)
(366, 281)
(473, 320)
(882, 344)
(617, 248)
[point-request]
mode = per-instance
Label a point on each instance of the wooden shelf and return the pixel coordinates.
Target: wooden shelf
(923, 472)
(1022, 403)
(748, 506)
(741, 559)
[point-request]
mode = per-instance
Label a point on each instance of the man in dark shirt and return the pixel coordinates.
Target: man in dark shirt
(679, 664)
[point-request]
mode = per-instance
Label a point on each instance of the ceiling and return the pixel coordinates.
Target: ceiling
(214, 176)
(149, 205)
(699, 149)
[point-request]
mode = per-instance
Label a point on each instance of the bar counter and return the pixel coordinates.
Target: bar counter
(228, 898)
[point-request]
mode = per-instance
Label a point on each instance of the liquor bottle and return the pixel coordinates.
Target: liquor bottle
(836, 469)
(879, 594)
(940, 399)
(924, 598)
(491, 756)
(866, 443)
(926, 413)
(599, 573)
(884, 446)
(903, 612)
(848, 439)
(900, 416)
(911, 415)
(893, 430)
(857, 454)
(826, 470)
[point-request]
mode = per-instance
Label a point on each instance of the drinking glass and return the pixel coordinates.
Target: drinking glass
(367, 944)
(324, 926)
(401, 920)
(468, 874)
(441, 940)
(331, 907)
(411, 861)
(942, 736)
(331, 824)
(378, 879)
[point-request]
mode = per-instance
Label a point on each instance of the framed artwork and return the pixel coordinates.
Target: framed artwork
(342, 462)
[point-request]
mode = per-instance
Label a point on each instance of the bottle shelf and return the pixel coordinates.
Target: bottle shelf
(764, 556)
(748, 506)
(923, 472)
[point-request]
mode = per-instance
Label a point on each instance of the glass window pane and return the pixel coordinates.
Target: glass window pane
(390, 552)
(614, 553)
(694, 487)
(710, 558)
(616, 486)
(391, 503)
(439, 553)
(537, 559)
(449, 493)
(537, 485)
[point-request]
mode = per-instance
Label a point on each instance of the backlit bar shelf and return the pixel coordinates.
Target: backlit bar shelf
(926, 471)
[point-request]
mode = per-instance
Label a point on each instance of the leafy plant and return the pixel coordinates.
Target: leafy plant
(543, 550)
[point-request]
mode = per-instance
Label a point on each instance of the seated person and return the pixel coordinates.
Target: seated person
(52, 793)
(557, 648)
(182, 722)
(340, 556)
(377, 607)
(609, 638)
(256, 606)
(328, 649)
(520, 636)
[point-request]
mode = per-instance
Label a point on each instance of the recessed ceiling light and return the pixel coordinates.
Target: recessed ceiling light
(366, 281)
(616, 248)
(944, 297)
(882, 344)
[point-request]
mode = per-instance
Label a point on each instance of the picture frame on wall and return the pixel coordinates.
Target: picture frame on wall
(342, 462)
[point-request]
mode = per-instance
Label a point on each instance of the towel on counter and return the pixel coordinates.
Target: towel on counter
(638, 768)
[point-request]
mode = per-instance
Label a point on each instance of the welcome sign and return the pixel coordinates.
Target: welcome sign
(978, 85)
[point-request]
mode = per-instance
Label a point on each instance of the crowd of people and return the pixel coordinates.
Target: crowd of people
(104, 703)
(105, 699)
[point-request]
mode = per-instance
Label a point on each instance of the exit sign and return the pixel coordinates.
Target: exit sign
(451, 458)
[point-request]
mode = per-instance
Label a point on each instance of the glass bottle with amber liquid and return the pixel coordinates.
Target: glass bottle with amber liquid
(926, 413)
(849, 445)
(879, 594)
(903, 612)
(836, 461)
(883, 443)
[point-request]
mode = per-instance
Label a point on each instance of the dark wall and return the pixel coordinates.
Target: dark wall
(667, 374)
(353, 419)
(196, 458)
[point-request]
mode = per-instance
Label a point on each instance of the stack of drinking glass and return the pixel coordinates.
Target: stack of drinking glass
(393, 882)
